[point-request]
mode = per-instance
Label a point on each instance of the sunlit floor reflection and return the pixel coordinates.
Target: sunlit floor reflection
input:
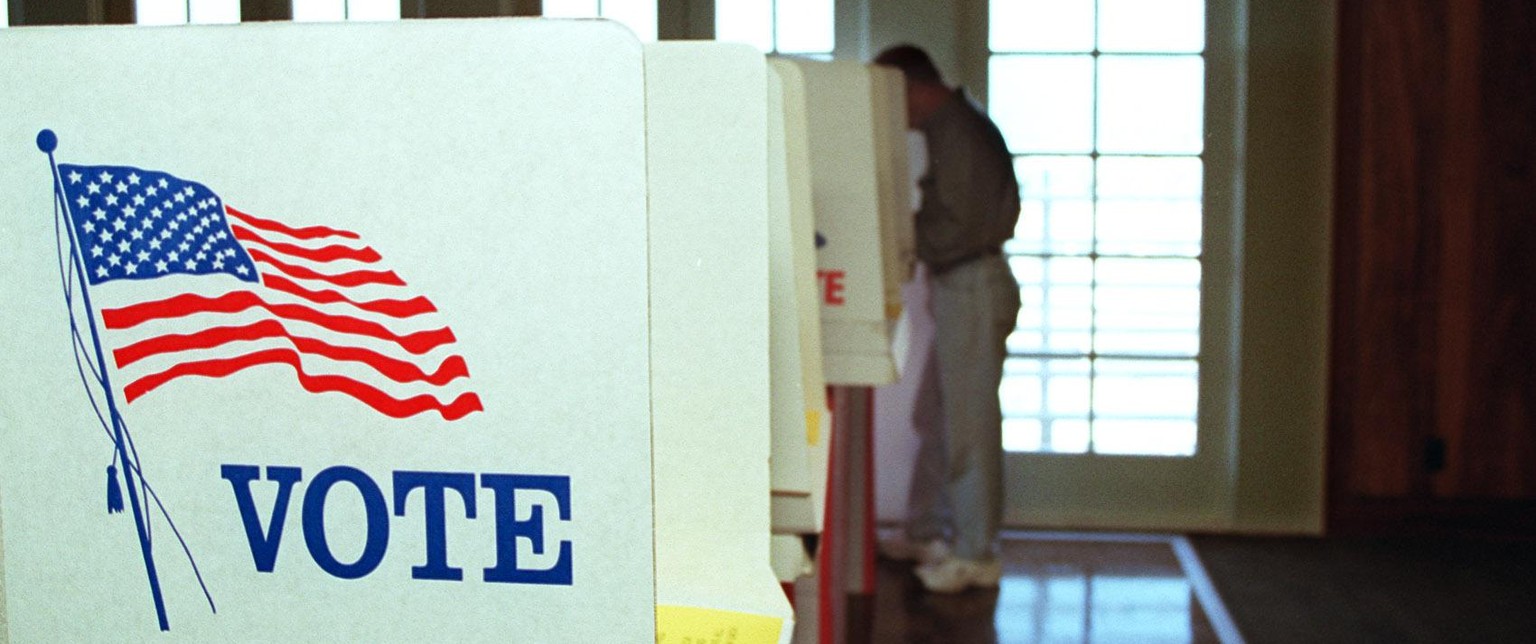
(1055, 589)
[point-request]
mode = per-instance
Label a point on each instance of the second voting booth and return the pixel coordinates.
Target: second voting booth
(467, 330)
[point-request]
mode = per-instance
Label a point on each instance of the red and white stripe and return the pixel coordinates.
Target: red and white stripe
(325, 309)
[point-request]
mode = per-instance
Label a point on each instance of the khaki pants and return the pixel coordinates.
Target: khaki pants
(957, 483)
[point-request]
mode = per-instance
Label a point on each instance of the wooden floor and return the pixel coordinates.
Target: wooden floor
(1448, 588)
(1055, 588)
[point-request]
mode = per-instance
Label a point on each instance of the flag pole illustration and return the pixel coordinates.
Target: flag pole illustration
(200, 290)
(48, 142)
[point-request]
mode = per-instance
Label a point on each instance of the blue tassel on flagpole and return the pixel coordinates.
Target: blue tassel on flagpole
(114, 492)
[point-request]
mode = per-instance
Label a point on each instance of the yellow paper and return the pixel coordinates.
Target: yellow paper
(691, 625)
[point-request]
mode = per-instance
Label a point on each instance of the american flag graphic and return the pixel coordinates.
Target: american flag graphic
(216, 291)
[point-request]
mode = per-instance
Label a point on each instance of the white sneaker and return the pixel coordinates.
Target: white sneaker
(954, 575)
(900, 548)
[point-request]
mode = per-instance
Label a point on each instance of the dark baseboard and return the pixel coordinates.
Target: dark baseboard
(1482, 518)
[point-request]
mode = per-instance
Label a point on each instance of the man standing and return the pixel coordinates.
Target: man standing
(969, 207)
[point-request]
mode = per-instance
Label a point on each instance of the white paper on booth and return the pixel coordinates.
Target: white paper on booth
(412, 377)
(707, 138)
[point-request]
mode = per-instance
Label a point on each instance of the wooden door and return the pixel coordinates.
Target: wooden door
(1433, 409)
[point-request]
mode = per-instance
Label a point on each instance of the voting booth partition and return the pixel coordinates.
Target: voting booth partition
(801, 420)
(857, 136)
(419, 293)
(713, 370)
(856, 144)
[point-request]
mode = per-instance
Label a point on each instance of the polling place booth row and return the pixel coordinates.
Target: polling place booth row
(451, 330)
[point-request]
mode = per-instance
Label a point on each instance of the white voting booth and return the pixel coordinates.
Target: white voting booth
(381, 321)
(802, 423)
(858, 140)
(846, 198)
(710, 294)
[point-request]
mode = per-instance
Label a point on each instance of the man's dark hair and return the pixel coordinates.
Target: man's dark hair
(913, 62)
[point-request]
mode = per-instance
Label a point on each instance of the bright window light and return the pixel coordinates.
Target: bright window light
(1102, 103)
(1152, 26)
(213, 12)
(638, 15)
(1042, 26)
(5, 14)
(160, 12)
(319, 10)
(335, 10)
(777, 26)
(373, 9)
(745, 21)
(570, 9)
(803, 26)
(181, 12)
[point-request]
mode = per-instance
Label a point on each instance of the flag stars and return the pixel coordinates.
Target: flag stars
(138, 224)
